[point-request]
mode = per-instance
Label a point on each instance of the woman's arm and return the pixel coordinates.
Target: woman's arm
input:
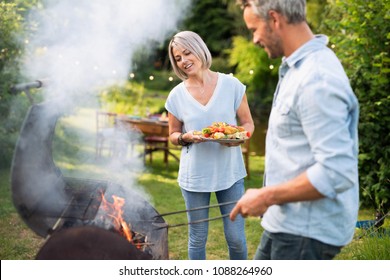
(175, 129)
(245, 117)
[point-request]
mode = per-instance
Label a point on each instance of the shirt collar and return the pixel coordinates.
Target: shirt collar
(318, 42)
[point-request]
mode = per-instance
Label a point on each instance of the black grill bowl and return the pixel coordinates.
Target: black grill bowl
(49, 202)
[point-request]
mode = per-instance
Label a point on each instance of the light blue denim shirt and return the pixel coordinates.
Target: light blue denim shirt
(313, 128)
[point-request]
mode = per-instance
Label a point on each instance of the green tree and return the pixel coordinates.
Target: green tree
(12, 107)
(315, 13)
(210, 19)
(361, 36)
(10, 48)
(257, 71)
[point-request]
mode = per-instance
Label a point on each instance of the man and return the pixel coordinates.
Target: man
(310, 200)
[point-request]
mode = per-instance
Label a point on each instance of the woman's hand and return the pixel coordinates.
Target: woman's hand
(191, 137)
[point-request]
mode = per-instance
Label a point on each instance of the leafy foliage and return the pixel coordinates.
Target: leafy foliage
(256, 70)
(315, 13)
(10, 119)
(209, 18)
(122, 98)
(12, 107)
(363, 47)
(132, 98)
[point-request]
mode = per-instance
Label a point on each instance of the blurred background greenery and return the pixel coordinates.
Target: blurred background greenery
(359, 33)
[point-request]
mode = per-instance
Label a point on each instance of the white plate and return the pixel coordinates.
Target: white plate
(225, 141)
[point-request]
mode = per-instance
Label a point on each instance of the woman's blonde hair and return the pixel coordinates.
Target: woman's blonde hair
(194, 43)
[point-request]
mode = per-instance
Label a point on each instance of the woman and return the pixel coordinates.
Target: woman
(202, 98)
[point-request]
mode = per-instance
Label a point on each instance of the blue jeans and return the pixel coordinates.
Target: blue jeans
(234, 231)
(284, 246)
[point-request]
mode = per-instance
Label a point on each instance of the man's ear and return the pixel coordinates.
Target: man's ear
(276, 19)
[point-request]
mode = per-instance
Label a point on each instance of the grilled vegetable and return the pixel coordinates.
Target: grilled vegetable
(222, 130)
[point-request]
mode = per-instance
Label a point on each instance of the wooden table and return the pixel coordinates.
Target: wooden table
(156, 134)
(151, 127)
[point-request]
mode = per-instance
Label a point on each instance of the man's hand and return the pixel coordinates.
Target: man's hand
(252, 203)
(256, 201)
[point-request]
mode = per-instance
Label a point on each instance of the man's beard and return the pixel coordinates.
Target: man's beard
(275, 49)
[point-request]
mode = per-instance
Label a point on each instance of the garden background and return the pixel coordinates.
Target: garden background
(359, 33)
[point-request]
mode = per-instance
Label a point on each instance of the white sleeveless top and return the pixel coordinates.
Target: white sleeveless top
(208, 167)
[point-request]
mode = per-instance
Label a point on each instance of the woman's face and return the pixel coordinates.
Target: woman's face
(186, 60)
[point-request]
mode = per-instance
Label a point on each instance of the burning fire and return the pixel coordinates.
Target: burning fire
(115, 212)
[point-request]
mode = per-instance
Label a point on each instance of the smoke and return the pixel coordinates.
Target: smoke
(81, 46)
(78, 47)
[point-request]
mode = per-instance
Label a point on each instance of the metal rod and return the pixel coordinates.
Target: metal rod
(373, 228)
(59, 220)
(191, 223)
(195, 209)
(26, 86)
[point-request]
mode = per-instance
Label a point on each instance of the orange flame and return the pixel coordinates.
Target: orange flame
(115, 212)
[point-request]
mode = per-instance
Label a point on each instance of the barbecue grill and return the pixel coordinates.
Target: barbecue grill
(50, 203)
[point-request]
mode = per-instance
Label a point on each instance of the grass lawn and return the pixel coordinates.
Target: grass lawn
(74, 154)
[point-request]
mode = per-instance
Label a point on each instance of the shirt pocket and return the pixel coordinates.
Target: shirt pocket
(282, 119)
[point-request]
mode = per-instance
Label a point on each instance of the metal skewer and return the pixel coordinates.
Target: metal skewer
(164, 225)
(195, 209)
(373, 228)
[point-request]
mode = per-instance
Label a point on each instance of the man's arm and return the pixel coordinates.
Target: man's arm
(256, 201)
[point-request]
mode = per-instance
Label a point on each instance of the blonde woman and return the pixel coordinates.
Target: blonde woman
(204, 97)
